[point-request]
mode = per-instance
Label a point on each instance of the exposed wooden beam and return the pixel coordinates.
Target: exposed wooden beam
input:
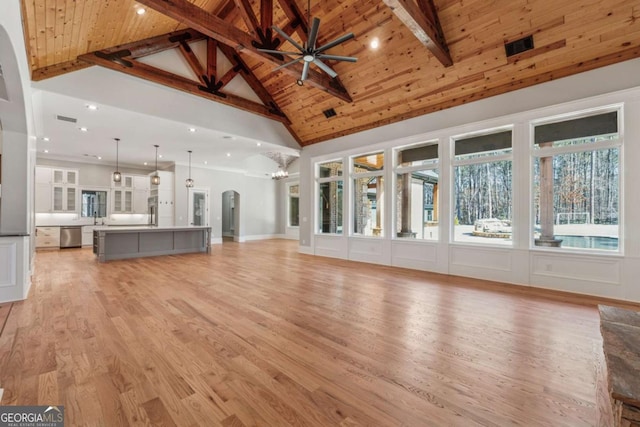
(228, 76)
(193, 62)
(58, 69)
(212, 58)
(251, 79)
(297, 20)
(221, 30)
(147, 72)
(247, 14)
(158, 44)
(266, 14)
(424, 25)
(136, 49)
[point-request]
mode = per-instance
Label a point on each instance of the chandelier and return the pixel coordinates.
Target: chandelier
(280, 174)
(283, 161)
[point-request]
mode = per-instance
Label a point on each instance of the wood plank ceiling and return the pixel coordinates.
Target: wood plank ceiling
(403, 78)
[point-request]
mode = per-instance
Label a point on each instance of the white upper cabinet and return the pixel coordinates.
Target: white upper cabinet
(65, 176)
(130, 195)
(56, 190)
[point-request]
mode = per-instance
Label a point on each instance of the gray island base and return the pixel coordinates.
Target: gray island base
(111, 243)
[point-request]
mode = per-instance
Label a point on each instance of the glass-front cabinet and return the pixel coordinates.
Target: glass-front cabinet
(56, 189)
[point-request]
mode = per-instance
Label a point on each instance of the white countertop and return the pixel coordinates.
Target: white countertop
(148, 228)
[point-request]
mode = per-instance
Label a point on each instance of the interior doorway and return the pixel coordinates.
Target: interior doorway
(198, 212)
(231, 216)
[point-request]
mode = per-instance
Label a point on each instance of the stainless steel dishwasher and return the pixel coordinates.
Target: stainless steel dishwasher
(71, 237)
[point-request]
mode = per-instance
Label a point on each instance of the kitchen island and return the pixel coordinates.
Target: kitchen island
(111, 243)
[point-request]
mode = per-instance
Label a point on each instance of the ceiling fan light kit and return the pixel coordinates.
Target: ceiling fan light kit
(308, 53)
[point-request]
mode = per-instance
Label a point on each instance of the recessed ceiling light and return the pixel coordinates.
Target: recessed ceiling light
(99, 157)
(228, 154)
(84, 129)
(46, 151)
(145, 163)
(192, 130)
(159, 156)
(259, 144)
(46, 139)
(206, 163)
(141, 11)
(92, 107)
(375, 43)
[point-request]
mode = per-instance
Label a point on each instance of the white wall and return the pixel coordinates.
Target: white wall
(18, 159)
(609, 275)
(258, 195)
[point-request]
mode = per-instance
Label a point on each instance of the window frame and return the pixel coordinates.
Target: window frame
(354, 176)
(398, 169)
(289, 196)
(322, 180)
(536, 153)
(482, 159)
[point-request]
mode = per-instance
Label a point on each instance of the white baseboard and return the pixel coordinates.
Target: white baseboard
(262, 237)
(216, 240)
(307, 250)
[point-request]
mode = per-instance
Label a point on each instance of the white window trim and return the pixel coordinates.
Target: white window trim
(474, 161)
(579, 148)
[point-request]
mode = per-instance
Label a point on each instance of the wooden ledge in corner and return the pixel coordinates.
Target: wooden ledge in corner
(620, 330)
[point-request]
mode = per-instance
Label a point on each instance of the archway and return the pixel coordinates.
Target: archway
(231, 225)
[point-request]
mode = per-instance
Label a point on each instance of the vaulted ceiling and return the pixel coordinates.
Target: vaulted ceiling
(433, 54)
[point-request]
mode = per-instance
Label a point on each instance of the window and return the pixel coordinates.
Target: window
(294, 205)
(330, 195)
(416, 196)
(576, 178)
(483, 188)
(368, 195)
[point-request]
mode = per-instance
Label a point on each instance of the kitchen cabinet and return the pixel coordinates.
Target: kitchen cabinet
(65, 176)
(122, 201)
(43, 197)
(164, 194)
(125, 182)
(130, 195)
(87, 235)
(65, 198)
(47, 237)
(56, 190)
(140, 201)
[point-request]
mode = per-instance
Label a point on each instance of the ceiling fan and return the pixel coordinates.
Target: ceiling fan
(309, 53)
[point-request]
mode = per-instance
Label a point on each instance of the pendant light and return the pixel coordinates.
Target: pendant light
(117, 176)
(189, 182)
(155, 179)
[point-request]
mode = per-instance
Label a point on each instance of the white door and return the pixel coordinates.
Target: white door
(199, 206)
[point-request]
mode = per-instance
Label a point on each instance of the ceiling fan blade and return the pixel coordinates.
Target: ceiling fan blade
(287, 64)
(279, 52)
(335, 42)
(305, 71)
(324, 67)
(336, 57)
(287, 38)
(313, 33)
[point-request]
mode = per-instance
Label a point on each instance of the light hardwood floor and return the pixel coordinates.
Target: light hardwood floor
(257, 334)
